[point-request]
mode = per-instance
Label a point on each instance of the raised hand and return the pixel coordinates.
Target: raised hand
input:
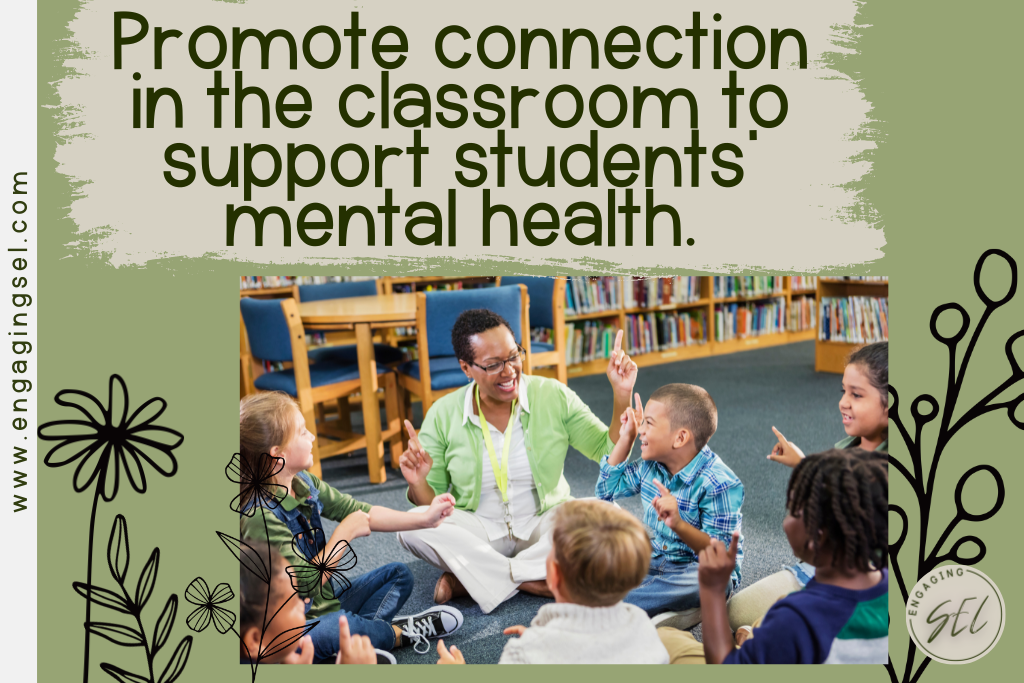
(303, 657)
(716, 563)
(442, 506)
(666, 506)
(630, 421)
(415, 462)
(621, 370)
(517, 630)
(446, 656)
(353, 649)
(785, 451)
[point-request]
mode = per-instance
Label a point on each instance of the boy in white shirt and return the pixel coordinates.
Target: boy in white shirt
(599, 553)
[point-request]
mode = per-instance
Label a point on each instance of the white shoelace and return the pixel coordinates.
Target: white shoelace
(417, 633)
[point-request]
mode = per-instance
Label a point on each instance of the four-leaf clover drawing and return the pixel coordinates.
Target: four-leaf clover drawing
(208, 606)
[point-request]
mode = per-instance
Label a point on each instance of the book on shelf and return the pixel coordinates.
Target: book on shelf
(276, 281)
(803, 314)
(858, 278)
(799, 283)
(650, 332)
(746, 286)
(588, 340)
(854, 319)
(592, 295)
(407, 287)
(653, 292)
(749, 319)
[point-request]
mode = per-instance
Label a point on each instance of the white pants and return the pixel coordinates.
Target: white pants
(491, 571)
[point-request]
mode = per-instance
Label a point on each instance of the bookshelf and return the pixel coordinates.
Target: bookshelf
(830, 356)
(616, 313)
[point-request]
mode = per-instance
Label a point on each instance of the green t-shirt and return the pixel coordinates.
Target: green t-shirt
(854, 441)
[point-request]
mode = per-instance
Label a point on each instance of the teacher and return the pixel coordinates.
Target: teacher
(499, 444)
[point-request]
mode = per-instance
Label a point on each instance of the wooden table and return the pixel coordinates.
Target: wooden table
(365, 314)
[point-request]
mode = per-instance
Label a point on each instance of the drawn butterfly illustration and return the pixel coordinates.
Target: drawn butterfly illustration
(324, 573)
(258, 486)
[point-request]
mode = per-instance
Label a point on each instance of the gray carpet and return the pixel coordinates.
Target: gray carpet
(754, 390)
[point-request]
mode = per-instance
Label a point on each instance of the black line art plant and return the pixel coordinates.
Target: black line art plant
(324, 574)
(132, 604)
(259, 489)
(208, 606)
(105, 442)
(925, 409)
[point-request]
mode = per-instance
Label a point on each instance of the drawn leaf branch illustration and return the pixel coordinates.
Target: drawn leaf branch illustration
(926, 409)
(119, 561)
(100, 446)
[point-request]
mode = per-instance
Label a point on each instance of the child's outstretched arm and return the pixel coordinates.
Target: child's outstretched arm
(386, 519)
(629, 425)
(713, 575)
(614, 480)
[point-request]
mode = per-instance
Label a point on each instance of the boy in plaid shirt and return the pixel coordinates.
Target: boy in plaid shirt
(690, 496)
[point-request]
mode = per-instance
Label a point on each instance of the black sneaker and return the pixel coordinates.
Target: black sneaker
(385, 657)
(437, 622)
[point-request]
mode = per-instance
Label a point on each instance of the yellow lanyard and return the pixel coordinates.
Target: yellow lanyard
(500, 474)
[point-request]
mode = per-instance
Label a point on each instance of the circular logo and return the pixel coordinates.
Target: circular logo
(955, 614)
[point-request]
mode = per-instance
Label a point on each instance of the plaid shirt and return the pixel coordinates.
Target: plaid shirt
(708, 492)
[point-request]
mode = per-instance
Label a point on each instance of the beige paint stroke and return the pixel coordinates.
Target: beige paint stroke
(792, 211)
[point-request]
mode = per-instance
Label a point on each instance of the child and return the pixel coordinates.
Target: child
(837, 522)
(275, 449)
(690, 496)
(864, 406)
(286, 612)
(598, 554)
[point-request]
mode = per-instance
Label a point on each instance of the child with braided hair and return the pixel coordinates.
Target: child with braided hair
(838, 522)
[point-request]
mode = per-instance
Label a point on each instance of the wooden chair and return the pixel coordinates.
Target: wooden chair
(436, 372)
(275, 333)
(547, 309)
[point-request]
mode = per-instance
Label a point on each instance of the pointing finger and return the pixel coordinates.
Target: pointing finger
(735, 545)
(661, 488)
(618, 342)
(780, 437)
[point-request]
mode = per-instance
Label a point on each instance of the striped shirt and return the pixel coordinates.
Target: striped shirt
(822, 624)
(708, 492)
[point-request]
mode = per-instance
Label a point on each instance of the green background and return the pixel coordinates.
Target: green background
(942, 79)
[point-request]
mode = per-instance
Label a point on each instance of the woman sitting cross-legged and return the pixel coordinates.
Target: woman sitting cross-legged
(500, 445)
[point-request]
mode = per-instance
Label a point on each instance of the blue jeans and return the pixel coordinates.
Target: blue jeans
(370, 604)
(669, 587)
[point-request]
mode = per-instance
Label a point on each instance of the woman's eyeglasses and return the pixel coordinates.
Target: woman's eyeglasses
(514, 360)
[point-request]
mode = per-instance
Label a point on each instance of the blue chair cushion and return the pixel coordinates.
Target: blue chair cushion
(443, 308)
(541, 347)
(267, 329)
(337, 290)
(542, 292)
(319, 375)
(445, 372)
(347, 354)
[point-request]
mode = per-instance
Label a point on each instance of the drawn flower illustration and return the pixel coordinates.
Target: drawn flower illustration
(324, 574)
(258, 486)
(924, 409)
(209, 606)
(105, 442)
(109, 440)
